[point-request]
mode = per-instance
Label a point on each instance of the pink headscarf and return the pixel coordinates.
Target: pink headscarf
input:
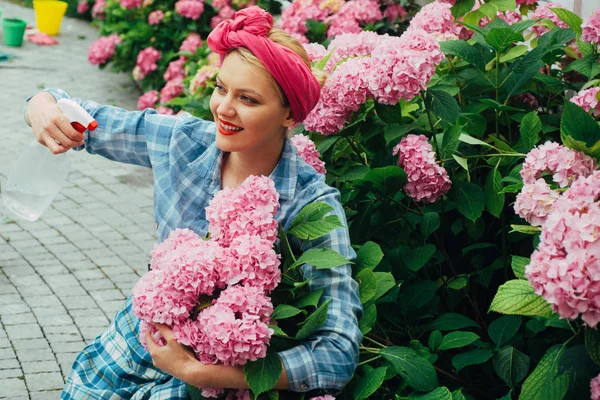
(249, 28)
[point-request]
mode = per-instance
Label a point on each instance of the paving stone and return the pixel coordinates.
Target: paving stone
(16, 319)
(34, 355)
(78, 302)
(45, 395)
(44, 381)
(93, 285)
(24, 331)
(42, 366)
(7, 354)
(30, 344)
(10, 373)
(12, 387)
(109, 294)
(68, 346)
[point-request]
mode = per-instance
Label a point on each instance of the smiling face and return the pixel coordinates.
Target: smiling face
(247, 109)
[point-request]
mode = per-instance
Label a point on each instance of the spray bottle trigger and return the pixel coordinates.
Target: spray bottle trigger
(78, 127)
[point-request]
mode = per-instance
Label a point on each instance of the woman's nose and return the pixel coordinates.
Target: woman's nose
(226, 106)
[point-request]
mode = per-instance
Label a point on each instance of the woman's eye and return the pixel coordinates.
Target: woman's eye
(219, 88)
(248, 99)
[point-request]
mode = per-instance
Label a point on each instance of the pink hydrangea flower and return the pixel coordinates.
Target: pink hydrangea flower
(534, 202)
(544, 11)
(250, 300)
(315, 51)
(165, 110)
(240, 394)
(293, 18)
(309, 153)
(83, 6)
(591, 28)
(436, 18)
(351, 15)
(175, 70)
(192, 9)
(326, 397)
(249, 260)
(218, 4)
(427, 181)
(102, 49)
(146, 62)
(147, 100)
(172, 89)
(588, 100)
(345, 90)
(394, 12)
(131, 4)
(155, 17)
(98, 9)
(191, 43)
(156, 336)
(529, 99)
(565, 164)
(233, 339)
(225, 13)
(248, 209)
(212, 392)
(565, 268)
(398, 71)
(527, 2)
(595, 388)
(199, 80)
(348, 45)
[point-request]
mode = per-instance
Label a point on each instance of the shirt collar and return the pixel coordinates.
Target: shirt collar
(206, 169)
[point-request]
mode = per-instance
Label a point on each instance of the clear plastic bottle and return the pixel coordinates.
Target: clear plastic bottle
(39, 175)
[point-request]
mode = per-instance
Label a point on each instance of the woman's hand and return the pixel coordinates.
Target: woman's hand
(50, 126)
(173, 359)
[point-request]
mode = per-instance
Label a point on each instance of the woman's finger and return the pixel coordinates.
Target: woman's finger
(53, 146)
(165, 332)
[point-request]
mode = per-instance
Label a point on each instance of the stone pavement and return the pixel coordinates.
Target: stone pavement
(63, 277)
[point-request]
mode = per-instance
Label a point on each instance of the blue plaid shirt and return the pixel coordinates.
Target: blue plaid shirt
(187, 174)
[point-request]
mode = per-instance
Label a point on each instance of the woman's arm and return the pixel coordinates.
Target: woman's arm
(133, 137)
(174, 359)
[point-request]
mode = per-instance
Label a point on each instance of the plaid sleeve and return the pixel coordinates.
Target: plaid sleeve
(328, 359)
(132, 137)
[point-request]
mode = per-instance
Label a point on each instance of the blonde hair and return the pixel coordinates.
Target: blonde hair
(284, 39)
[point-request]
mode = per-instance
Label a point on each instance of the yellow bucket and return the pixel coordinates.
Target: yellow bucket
(49, 15)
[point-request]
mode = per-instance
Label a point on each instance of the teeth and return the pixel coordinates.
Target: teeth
(229, 128)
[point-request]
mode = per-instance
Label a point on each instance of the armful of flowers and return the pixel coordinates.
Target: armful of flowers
(217, 294)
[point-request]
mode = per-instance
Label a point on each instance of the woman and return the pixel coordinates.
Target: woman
(265, 85)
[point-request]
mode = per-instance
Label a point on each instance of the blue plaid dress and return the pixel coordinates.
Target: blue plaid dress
(186, 165)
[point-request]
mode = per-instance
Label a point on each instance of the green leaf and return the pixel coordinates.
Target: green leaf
(321, 259)
(283, 311)
(312, 212)
(435, 339)
(414, 369)
(464, 50)
(450, 140)
(523, 25)
(367, 285)
(452, 321)
(469, 199)
(531, 126)
(369, 255)
(511, 365)
(388, 113)
(315, 229)
(526, 229)
(518, 265)
(369, 383)
(324, 143)
(385, 282)
(387, 180)
(314, 321)
(457, 339)
(592, 343)
(544, 383)
(473, 357)
(262, 374)
(503, 5)
(471, 140)
(502, 38)
(514, 52)
(585, 48)
(287, 255)
(416, 294)
(416, 258)
(575, 360)
(457, 395)
(443, 105)
(463, 163)
(460, 8)
(458, 283)
(504, 329)
(516, 188)
(277, 331)
(320, 65)
(579, 128)
(587, 66)
(194, 393)
(311, 299)
(440, 393)
(368, 319)
(517, 297)
(571, 19)
(430, 222)
(494, 200)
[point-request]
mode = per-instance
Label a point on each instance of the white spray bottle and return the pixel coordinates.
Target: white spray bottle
(38, 174)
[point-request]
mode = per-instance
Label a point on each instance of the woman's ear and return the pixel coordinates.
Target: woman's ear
(289, 120)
